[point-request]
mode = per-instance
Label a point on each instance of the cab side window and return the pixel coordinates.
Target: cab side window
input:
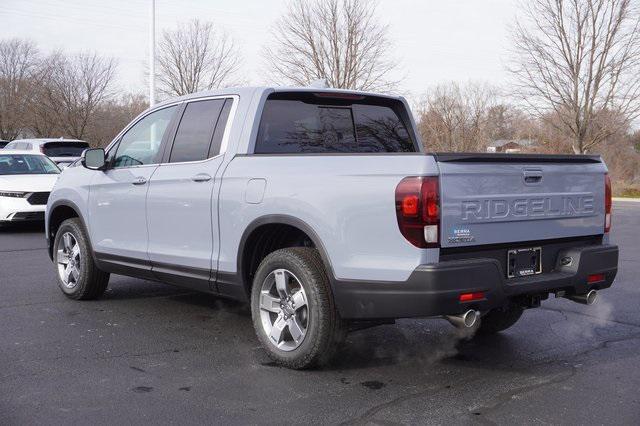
(141, 143)
(196, 131)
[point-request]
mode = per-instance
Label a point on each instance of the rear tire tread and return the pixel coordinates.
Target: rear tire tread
(330, 328)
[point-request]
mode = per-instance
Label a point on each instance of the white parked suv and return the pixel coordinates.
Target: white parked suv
(26, 180)
(62, 151)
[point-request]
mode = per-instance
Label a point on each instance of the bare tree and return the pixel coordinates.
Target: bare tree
(197, 56)
(76, 86)
(580, 60)
(68, 94)
(454, 117)
(339, 41)
(19, 63)
(112, 115)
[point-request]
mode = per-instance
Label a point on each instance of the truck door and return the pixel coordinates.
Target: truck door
(117, 198)
(182, 211)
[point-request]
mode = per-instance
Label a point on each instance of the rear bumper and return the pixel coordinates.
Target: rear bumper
(434, 289)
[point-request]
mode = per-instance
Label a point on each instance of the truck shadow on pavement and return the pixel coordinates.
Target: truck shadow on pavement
(419, 343)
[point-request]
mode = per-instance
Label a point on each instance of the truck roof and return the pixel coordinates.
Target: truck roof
(251, 90)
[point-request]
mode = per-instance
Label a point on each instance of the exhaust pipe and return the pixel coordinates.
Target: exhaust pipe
(586, 299)
(466, 320)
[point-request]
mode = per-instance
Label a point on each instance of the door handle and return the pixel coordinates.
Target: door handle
(201, 177)
(532, 176)
(140, 180)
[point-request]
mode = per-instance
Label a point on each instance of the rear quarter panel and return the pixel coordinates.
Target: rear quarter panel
(347, 200)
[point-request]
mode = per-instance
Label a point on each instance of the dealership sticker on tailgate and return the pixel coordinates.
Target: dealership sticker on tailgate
(461, 235)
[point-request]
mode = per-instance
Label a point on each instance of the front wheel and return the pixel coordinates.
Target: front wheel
(292, 307)
(78, 276)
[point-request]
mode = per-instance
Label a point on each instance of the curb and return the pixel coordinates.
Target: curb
(632, 200)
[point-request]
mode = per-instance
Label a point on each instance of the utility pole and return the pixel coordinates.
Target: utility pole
(152, 55)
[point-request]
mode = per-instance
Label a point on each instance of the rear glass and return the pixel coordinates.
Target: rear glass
(18, 164)
(3, 144)
(64, 149)
(305, 123)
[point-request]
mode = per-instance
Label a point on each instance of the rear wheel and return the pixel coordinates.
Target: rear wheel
(292, 308)
(78, 276)
(499, 319)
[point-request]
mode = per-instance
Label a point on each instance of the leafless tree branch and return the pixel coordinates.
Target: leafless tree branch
(339, 41)
(580, 61)
(19, 76)
(197, 56)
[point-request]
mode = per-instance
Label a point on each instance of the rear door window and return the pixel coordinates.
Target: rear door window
(196, 130)
(304, 123)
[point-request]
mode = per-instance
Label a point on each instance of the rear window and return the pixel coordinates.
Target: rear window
(315, 123)
(64, 149)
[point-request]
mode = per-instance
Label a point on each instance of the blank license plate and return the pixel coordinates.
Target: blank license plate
(524, 262)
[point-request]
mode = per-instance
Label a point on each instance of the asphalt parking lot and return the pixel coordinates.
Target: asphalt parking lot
(151, 353)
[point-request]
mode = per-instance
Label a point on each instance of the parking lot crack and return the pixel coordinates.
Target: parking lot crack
(505, 397)
(370, 414)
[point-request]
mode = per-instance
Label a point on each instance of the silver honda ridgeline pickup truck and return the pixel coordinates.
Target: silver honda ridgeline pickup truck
(322, 209)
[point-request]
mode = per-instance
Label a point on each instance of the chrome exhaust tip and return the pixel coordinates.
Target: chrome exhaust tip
(465, 320)
(586, 299)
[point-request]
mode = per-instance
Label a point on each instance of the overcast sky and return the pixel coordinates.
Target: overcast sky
(435, 40)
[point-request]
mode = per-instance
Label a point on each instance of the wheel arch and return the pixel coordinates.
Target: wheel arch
(58, 213)
(256, 228)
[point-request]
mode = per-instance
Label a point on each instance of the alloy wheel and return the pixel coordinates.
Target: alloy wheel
(69, 260)
(284, 311)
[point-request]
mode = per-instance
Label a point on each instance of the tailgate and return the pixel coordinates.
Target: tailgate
(502, 198)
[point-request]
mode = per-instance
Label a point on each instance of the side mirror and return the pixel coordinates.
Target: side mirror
(93, 158)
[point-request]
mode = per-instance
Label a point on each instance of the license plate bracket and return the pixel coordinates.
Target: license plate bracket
(523, 262)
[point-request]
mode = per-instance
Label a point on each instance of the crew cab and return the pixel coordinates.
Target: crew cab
(322, 209)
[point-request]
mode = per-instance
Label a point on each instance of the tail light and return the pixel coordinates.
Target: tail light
(607, 203)
(418, 210)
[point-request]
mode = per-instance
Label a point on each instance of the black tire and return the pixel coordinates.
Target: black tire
(324, 331)
(499, 319)
(91, 282)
